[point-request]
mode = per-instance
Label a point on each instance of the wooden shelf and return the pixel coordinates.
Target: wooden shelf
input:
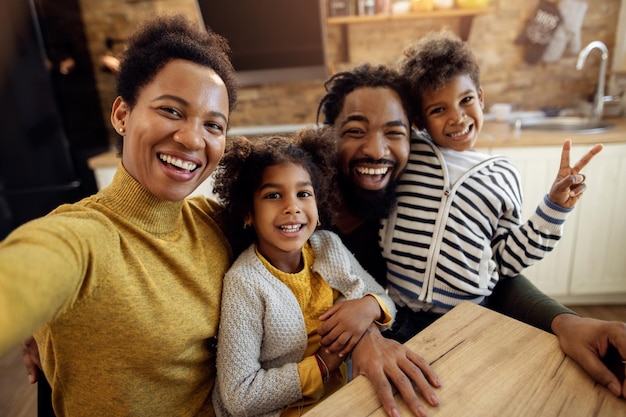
(466, 15)
(343, 20)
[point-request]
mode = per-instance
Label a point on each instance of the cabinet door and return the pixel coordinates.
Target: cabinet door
(599, 262)
(538, 167)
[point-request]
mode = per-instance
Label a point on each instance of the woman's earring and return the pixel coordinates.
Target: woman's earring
(122, 130)
(246, 226)
(318, 222)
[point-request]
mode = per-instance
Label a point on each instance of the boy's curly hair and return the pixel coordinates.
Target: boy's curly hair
(339, 85)
(434, 60)
(240, 170)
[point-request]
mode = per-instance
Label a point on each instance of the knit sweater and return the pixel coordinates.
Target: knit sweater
(263, 336)
(128, 287)
(448, 242)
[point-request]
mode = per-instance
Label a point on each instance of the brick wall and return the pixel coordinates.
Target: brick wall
(505, 74)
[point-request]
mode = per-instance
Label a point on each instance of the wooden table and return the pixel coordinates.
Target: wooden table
(490, 365)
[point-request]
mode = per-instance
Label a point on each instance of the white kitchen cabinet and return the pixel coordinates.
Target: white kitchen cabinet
(599, 264)
(589, 263)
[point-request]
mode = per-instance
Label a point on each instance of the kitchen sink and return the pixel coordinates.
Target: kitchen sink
(563, 124)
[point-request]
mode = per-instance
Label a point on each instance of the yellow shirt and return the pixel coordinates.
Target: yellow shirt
(315, 296)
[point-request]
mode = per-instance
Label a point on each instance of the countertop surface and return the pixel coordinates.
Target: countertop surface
(499, 134)
(494, 134)
(490, 366)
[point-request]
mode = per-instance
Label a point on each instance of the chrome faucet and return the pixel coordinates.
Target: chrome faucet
(598, 100)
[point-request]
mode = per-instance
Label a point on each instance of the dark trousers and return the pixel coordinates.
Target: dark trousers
(409, 323)
(44, 397)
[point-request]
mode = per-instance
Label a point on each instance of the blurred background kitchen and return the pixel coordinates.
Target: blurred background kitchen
(57, 82)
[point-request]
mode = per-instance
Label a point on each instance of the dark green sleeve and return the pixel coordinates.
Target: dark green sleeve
(517, 297)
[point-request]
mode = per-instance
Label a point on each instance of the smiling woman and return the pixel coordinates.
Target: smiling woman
(173, 141)
(106, 264)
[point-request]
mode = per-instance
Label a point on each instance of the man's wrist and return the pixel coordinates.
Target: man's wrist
(562, 320)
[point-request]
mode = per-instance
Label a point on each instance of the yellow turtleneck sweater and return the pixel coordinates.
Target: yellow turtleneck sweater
(128, 287)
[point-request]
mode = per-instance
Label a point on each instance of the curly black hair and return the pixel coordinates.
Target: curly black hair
(240, 170)
(339, 85)
(434, 60)
(165, 38)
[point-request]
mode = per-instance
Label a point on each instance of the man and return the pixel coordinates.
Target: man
(371, 112)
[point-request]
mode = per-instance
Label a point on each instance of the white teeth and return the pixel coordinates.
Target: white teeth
(291, 227)
(457, 134)
(177, 162)
(372, 171)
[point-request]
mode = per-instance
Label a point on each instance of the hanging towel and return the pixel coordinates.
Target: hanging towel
(566, 39)
(539, 31)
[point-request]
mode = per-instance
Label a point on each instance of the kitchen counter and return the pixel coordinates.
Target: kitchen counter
(494, 134)
(501, 134)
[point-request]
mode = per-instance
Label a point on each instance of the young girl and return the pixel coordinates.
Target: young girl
(282, 288)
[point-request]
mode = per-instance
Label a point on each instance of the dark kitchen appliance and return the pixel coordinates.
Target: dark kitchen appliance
(271, 40)
(37, 172)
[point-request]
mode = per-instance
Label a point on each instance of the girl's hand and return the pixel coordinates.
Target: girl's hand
(345, 323)
(570, 183)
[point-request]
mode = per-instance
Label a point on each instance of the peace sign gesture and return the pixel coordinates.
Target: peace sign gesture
(569, 184)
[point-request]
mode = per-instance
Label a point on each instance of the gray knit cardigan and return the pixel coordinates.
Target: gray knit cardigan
(262, 334)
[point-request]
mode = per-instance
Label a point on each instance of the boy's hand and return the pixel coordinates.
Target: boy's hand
(570, 183)
(345, 323)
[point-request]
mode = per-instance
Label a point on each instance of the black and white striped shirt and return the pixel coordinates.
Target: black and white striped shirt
(449, 241)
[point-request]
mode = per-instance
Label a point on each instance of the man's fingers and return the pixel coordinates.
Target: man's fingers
(385, 395)
(407, 392)
(418, 367)
(30, 356)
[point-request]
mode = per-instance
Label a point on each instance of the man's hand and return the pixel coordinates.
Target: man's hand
(30, 355)
(387, 363)
(587, 342)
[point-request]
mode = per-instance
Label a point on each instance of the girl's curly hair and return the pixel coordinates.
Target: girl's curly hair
(240, 170)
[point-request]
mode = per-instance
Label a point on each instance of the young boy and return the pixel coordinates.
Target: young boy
(457, 226)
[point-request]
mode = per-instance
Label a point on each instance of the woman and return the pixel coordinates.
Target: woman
(127, 283)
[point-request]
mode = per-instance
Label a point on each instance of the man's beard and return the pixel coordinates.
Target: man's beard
(366, 204)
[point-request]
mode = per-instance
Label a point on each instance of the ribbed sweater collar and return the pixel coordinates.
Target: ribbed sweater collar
(133, 202)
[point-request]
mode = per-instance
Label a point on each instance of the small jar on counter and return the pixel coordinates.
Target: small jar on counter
(421, 5)
(443, 4)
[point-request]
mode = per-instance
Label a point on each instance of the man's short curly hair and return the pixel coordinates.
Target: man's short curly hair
(165, 38)
(239, 174)
(434, 60)
(339, 85)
